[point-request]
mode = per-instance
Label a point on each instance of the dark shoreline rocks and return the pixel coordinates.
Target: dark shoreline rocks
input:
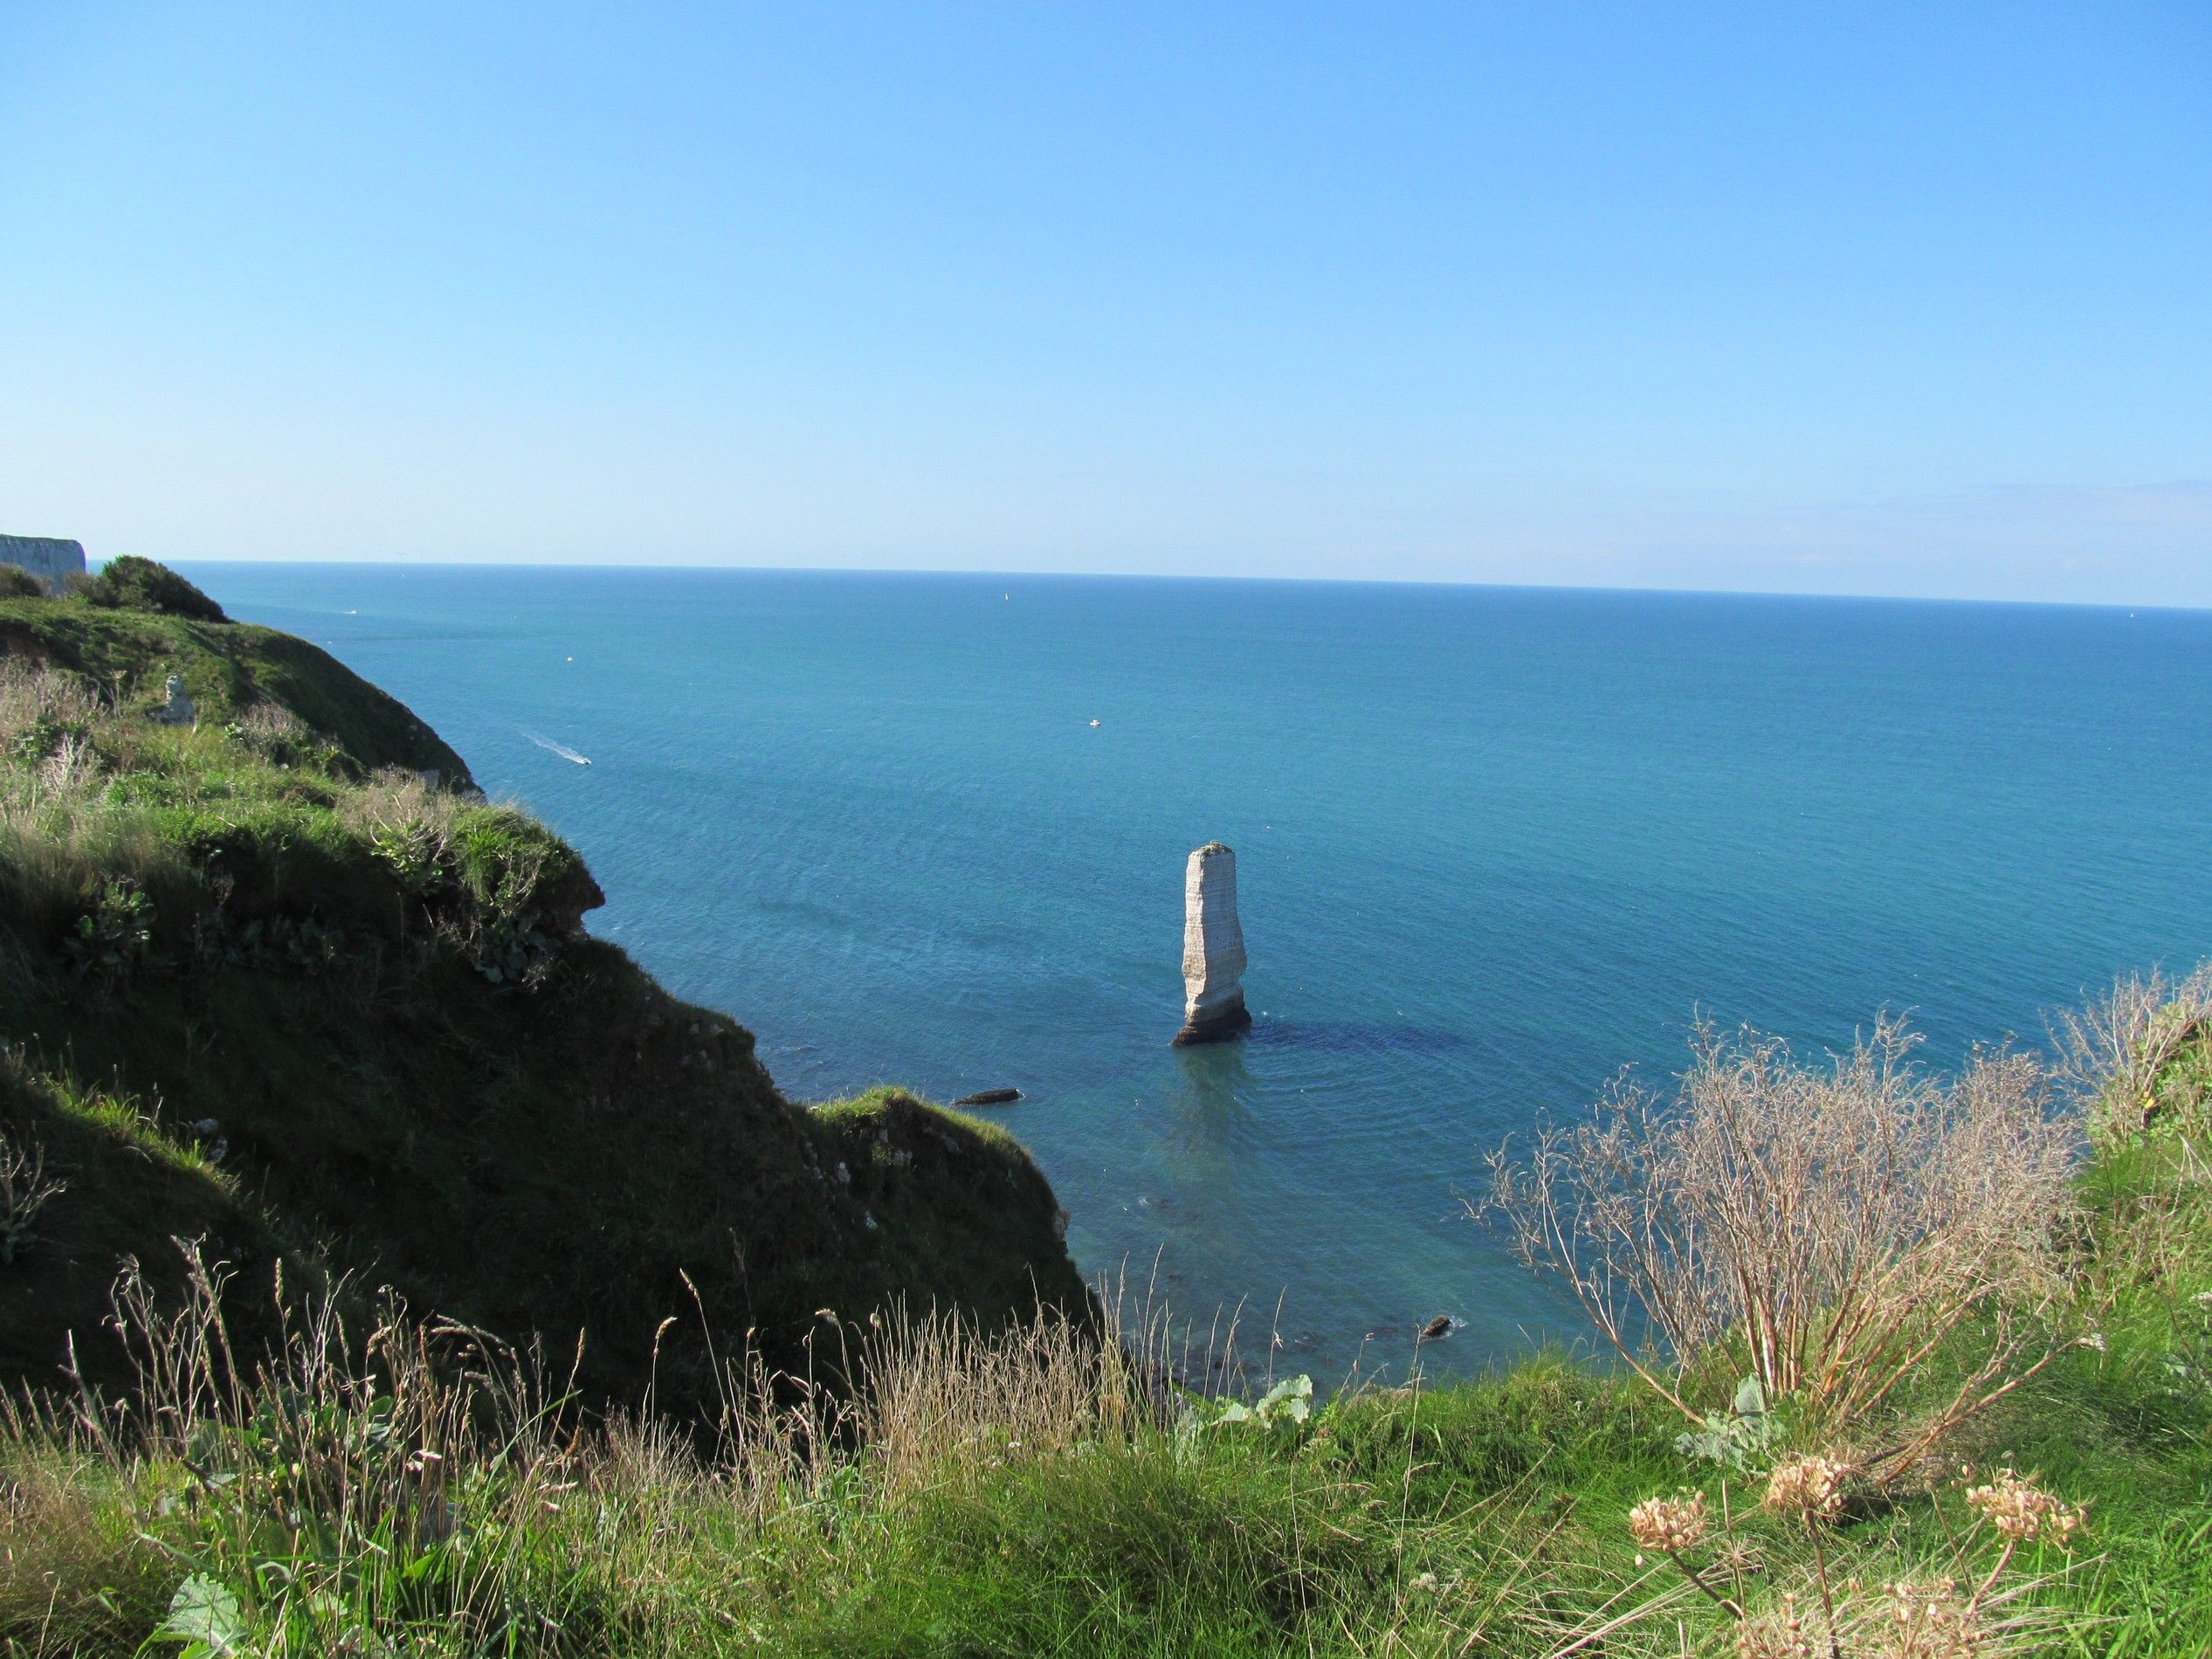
(1217, 1027)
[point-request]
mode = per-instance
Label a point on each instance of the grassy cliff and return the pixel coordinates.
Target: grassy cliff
(1042, 1494)
(260, 994)
(264, 985)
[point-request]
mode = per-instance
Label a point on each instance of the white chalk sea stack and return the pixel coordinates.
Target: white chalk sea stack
(1213, 948)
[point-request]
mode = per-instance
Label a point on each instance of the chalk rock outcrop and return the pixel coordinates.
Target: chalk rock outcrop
(1213, 949)
(177, 709)
(49, 558)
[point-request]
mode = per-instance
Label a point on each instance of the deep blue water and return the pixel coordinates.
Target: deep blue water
(1492, 844)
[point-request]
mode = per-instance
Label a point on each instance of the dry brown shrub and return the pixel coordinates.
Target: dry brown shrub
(938, 1394)
(273, 723)
(1825, 1227)
(2112, 1052)
(30, 694)
(398, 803)
(25, 1189)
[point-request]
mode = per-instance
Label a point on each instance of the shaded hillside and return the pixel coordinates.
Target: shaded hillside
(257, 990)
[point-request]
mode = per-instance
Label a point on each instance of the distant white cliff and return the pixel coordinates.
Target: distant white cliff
(49, 558)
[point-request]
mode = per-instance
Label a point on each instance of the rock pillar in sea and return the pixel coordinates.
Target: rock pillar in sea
(1213, 949)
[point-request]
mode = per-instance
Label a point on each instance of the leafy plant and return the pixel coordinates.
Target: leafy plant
(412, 850)
(38, 739)
(206, 1619)
(16, 582)
(1284, 1409)
(1739, 1438)
(514, 951)
(114, 939)
(309, 945)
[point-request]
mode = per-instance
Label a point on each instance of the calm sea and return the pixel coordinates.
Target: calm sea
(1494, 844)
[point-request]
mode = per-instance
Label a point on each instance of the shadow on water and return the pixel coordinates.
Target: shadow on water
(1208, 1130)
(1212, 1090)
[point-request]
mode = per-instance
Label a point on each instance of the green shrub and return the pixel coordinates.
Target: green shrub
(133, 583)
(113, 938)
(16, 582)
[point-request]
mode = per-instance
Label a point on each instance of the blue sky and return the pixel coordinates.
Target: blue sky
(1911, 300)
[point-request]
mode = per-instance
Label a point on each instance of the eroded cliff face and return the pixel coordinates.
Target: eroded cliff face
(1213, 948)
(50, 558)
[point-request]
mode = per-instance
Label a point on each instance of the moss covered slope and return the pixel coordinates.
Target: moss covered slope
(259, 991)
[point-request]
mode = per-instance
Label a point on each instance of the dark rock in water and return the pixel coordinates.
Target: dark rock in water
(1217, 1028)
(989, 1097)
(1439, 1327)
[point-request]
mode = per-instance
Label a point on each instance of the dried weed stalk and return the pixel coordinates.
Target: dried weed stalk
(1828, 1227)
(2112, 1052)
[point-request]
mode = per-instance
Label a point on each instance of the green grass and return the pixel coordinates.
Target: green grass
(421, 1071)
(227, 668)
(1487, 1516)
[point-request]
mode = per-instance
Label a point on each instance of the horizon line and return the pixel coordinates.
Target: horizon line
(2130, 606)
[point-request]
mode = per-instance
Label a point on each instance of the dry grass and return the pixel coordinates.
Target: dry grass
(319, 1499)
(60, 838)
(25, 1189)
(940, 1397)
(1826, 1228)
(2112, 1052)
(29, 694)
(418, 1489)
(272, 724)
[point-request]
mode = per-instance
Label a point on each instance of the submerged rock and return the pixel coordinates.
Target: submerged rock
(989, 1098)
(1213, 949)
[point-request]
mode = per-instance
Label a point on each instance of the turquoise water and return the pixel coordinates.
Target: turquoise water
(1492, 845)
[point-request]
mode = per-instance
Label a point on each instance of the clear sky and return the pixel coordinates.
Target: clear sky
(1909, 299)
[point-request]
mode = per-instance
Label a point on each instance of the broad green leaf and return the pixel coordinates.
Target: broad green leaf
(206, 1612)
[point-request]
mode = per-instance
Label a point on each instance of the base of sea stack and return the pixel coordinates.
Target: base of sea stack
(1217, 1025)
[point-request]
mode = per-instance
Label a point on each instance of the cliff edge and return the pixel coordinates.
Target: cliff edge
(280, 981)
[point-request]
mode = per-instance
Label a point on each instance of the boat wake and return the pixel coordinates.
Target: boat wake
(561, 749)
